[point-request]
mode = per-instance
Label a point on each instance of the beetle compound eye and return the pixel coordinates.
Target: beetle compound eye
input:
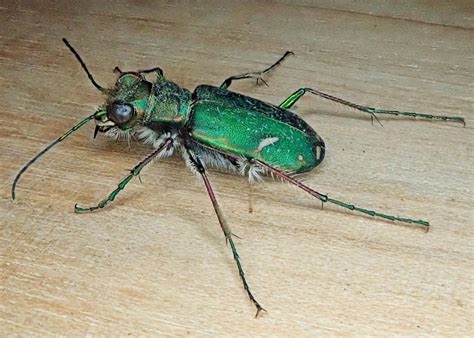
(120, 113)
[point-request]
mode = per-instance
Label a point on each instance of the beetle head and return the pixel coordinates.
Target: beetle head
(126, 103)
(125, 107)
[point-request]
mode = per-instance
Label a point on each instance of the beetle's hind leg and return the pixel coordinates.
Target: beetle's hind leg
(325, 199)
(293, 98)
(255, 75)
(196, 165)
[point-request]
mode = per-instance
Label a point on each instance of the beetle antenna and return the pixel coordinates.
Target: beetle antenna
(51, 145)
(78, 57)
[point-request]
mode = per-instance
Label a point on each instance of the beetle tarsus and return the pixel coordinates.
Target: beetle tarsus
(325, 199)
(197, 164)
(255, 75)
(134, 172)
(293, 98)
(259, 309)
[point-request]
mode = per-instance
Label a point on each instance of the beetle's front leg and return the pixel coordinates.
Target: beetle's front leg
(157, 70)
(197, 165)
(293, 98)
(134, 172)
(255, 75)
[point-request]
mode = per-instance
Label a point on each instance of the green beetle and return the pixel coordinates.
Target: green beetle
(213, 126)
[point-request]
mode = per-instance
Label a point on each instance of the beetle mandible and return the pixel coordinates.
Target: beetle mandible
(213, 126)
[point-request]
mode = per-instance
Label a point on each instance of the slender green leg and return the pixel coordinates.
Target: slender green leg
(326, 199)
(134, 172)
(255, 75)
(196, 163)
(293, 98)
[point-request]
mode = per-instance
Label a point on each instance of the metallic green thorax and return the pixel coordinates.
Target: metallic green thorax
(168, 103)
(159, 102)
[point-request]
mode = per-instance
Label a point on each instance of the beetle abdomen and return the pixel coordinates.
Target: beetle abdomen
(251, 128)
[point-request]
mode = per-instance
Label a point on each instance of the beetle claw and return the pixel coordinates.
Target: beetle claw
(259, 77)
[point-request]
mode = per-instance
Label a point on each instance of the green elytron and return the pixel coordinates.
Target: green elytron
(213, 126)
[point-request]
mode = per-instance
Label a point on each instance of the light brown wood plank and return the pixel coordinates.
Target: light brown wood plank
(155, 262)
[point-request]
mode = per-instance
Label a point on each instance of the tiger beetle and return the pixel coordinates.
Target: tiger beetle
(213, 126)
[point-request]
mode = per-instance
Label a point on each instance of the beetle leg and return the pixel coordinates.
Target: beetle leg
(293, 98)
(134, 172)
(325, 199)
(197, 165)
(255, 75)
(156, 70)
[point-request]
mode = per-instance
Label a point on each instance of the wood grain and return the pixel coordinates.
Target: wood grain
(155, 263)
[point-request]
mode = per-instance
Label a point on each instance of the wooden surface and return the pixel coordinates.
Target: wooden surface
(156, 262)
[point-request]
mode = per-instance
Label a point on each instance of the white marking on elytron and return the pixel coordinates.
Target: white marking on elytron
(318, 152)
(300, 158)
(266, 142)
